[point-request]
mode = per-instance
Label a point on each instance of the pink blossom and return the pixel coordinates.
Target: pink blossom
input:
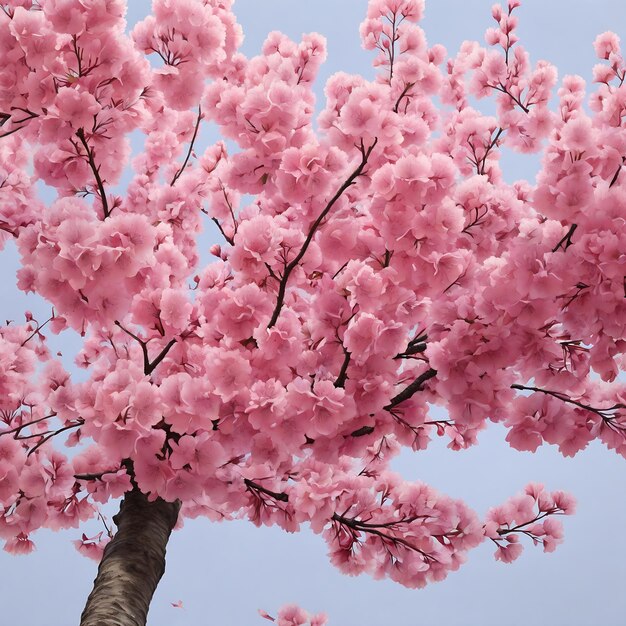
(372, 263)
(66, 16)
(509, 552)
(175, 309)
(577, 135)
(76, 107)
(20, 544)
(229, 372)
(258, 236)
(241, 314)
(411, 9)
(9, 483)
(266, 405)
(292, 615)
(330, 409)
(92, 547)
(606, 44)
(196, 452)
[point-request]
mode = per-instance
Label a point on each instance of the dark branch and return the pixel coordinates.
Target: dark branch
(230, 240)
(415, 346)
(607, 414)
(483, 162)
(343, 373)
(343, 267)
(365, 154)
(80, 133)
(141, 342)
(411, 389)
(617, 171)
(148, 366)
(362, 432)
(36, 331)
(410, 353)
(193, 139)
(405, 91)
(19, 124)
(49, 436)
(520, 527)
(567, 238)
(282, 497)
(152, 366)
(517, 101)
(96, 476)
(374, 529)
(17, 429)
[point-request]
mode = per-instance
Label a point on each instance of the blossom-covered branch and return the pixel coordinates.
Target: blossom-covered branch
(282, 287)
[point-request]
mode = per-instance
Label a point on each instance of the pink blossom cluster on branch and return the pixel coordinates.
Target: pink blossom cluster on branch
(382, 265)
(292, 615)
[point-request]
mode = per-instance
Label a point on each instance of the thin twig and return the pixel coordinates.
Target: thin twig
(567, 238)
(365, 154)
(373, 529)
(53, 434)
(604, 414)
(193, 139)
(80, 133)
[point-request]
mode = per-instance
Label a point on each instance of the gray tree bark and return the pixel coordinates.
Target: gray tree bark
(132, 564)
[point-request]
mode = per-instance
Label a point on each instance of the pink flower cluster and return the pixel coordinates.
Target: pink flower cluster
(528, 515)
(192, 39)
(370, 267)
(293, 615)
(19, 205)
(75, 91)
(87, 268)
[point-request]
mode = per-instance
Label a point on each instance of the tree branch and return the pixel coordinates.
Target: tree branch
(151, 366)
(405, 91)
(17, 429)
(148, 366)
(19, 124)
(193, 139)
(481, 168)
(411, 389)
(95, 476)
(230, 240)
(362, 432)
(141, 342)
(504, 90)
(282, 497)
(605, 414)
(374, 529)
(365, 154)
(343, 373)
(49, 436)
(80, 133)
(415, 346)
(617, 171)
(567, 238)
(36, 331)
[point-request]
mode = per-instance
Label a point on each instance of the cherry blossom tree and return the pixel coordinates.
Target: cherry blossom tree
(374, 265)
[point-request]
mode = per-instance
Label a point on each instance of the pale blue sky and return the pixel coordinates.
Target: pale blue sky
(224, 572)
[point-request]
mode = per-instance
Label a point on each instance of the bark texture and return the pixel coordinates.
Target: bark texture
(132, 564)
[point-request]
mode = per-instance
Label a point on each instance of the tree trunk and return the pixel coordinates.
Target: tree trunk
(132, 563)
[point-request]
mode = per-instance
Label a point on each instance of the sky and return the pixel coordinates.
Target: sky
(224, 572)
